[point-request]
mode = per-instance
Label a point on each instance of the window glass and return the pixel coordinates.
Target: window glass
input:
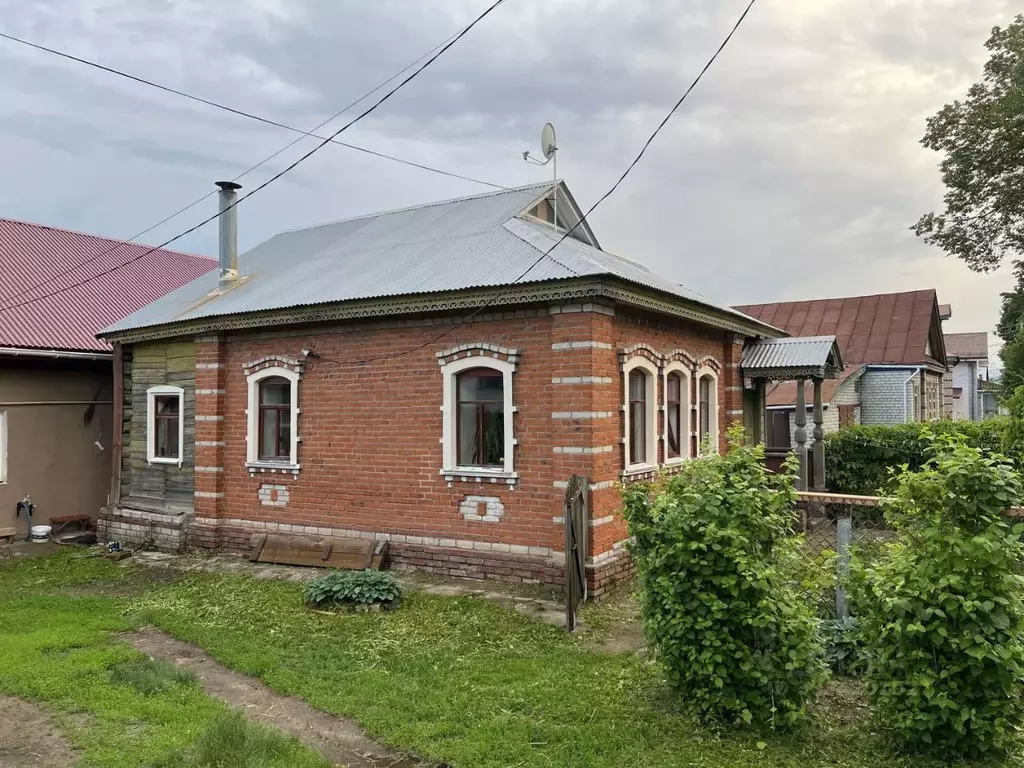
(275, 419)
(637, 417)
(674, 414)
(166, 423)
(480, 418)
(705, 407)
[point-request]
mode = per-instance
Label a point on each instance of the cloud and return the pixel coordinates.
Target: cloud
(793, 171)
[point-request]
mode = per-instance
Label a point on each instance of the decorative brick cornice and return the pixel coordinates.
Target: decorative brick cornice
(641, 350)
(680, 356)
(711, 362)
(481, 349)
(274, 361)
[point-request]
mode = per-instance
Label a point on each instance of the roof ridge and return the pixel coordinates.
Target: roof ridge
(104, 238)
(421, 206)
(835, 298)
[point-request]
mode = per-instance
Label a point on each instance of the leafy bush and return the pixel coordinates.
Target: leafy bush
(149, 676)
(843, 647)
(714, 552)
(858, 458)
(941, 612)
(353, 587)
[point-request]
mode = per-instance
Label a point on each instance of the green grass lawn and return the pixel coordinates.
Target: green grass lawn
(459, 680)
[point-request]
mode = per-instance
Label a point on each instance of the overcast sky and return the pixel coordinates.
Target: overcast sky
(793, 171)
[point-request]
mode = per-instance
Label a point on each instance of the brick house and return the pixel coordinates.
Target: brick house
(397, 376)
(57, 289)
(894, 352)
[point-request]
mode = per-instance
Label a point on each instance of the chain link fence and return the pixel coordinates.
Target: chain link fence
(829, 533)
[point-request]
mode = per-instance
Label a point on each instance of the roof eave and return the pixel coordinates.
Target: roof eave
(565, 291)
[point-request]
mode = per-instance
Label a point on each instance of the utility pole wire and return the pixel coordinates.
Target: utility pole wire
(547, 254)
(279, 174)
(286, 147)
(250, 115)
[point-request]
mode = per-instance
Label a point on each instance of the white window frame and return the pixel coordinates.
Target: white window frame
(3, 447)
(712, 409)
(164, 390)
(651, 433)
(449, 411)
(685, 411)
(252, 414)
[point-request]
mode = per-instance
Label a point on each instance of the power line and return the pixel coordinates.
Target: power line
(508, 288)
(264, 161)
(243, 113)
(443, 48)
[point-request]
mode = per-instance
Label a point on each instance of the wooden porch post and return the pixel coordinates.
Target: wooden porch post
(819, 439)
(800, 436)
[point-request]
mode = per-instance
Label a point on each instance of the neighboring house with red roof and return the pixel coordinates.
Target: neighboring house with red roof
(57, 289)
(894, 352)
(968, 353)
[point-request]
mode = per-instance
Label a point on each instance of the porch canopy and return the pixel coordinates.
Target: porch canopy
(796, 358)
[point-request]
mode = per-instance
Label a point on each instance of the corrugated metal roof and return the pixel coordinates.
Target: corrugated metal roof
(882, 328)
(967, 346)
(70, 320)
(794, 352)
(472, 242)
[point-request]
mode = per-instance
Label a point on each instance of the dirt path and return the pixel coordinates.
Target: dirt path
(28, 738)
(339, 740)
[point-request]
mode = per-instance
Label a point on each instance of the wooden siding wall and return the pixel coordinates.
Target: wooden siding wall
(157, 486)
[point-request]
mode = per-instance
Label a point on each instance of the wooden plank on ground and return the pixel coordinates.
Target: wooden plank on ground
(334, 552)
(257, 547)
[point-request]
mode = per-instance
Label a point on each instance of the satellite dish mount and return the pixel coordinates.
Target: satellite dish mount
(549, 148)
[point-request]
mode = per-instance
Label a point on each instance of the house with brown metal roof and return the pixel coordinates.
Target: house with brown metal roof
(894, 352)
(57, 289)
(968, 354)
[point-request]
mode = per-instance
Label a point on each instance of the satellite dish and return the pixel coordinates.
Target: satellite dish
(547, 141)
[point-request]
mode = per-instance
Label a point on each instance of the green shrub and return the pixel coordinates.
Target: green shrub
(353, 587)
(843, 646)
(941, 611)
(149, 676)
(714, 554)
(858, 458)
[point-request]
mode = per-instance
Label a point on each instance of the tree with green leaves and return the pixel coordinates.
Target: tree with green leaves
(982, 140)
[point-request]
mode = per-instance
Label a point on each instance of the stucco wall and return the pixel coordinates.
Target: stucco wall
(51, 450)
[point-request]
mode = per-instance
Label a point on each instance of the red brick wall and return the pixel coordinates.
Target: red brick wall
(370, 450)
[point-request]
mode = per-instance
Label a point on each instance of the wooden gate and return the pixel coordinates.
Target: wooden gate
(577, 523)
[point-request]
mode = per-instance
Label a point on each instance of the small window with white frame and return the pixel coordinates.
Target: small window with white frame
(707, 410)
(165, 437)
(640, 442)
(272, 435)
(677, 429)
(477, 432)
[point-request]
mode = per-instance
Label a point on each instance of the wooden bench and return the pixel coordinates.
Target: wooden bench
(59, 523)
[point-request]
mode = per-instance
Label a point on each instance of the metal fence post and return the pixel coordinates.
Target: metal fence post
(844, 535)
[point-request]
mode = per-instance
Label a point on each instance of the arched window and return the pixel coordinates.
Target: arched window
(638, 408)
(476, 436)
(707, 410)
(275, 419)
(272, 435)
(480, 416)
(674, 434)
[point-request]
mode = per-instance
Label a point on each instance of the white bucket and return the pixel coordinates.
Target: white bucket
(41, 533)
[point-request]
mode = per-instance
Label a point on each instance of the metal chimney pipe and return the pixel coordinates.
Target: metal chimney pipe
(228, 232)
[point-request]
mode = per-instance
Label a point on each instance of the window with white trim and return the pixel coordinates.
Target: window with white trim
(677, 429)
(3, 446)
(707, 410)
(272, 417)
(165, 436)
(477, 436)
(640, 444)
